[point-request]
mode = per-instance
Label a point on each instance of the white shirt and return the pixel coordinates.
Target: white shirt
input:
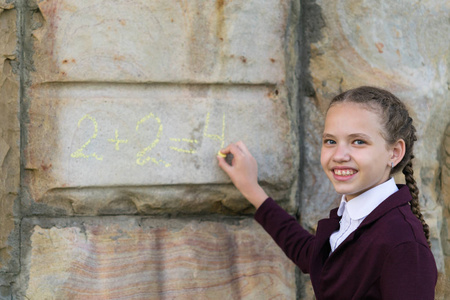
(356, 210)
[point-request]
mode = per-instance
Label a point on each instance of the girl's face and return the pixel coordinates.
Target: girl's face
(355, 156)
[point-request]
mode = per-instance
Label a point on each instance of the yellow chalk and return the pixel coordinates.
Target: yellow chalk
(221, 154)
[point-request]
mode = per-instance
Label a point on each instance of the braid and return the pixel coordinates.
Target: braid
(414, 190)
(397, 125)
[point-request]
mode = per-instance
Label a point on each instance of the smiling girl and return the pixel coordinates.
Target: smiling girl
(375, 245)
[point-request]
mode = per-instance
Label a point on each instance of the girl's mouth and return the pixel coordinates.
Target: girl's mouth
(344, 172)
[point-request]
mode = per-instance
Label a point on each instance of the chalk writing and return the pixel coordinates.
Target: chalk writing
(141, 160)
(143, 157)
(215, 137)
(117, 141)
(191, 151)
(79, 153)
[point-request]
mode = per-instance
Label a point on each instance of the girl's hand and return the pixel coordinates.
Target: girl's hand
(243, 172)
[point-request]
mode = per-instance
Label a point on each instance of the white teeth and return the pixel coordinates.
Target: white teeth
(344, 172)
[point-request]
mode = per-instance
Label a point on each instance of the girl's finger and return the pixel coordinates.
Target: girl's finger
(226, 150)
(224, 165)
(243, 148)
(231, 148)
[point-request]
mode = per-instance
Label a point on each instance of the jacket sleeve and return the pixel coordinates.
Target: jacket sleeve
(409, 272)
(293, 239)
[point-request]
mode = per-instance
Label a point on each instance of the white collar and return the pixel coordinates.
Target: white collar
(362, 205)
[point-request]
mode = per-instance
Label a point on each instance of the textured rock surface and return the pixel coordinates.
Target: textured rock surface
(9, 142)
(134, 258)
(445, 196)
(137, 136)
(396, 45)
(162, 41)
(125, 107)
(194, 76)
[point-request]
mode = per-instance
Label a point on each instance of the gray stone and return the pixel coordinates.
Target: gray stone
(97, 136)
(161, 41)
(9, 145)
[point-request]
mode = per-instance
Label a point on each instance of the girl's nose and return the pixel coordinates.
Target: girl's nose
(341, 154)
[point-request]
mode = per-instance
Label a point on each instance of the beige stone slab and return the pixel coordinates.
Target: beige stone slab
(4, 4)
(133, 258)
(161, 41)
(9, 141)
(97, 136)
(394, 45)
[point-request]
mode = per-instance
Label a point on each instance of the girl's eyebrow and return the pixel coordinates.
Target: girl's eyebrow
(327, 135)
(360, 135)
(352, 136)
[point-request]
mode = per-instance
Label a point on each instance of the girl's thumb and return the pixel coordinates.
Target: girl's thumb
(224, 165)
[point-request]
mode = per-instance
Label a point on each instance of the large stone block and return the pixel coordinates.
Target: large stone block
(193, 77)
(9, 145)
(161, 41)
(134, 258)
(136, 138)
(375, 43)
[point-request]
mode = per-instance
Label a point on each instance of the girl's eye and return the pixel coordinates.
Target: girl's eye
(359, 142)
(329, 142)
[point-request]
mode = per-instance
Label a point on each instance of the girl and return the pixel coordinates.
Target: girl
(376, 244)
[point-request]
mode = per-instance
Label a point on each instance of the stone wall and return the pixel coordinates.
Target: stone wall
(112, 113)
(124, 107)
(9, 149)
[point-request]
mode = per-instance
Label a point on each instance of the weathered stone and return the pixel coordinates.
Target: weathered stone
(5, 4)
(445, 177)
(84, 136)
(6, 280)
(379, 46)
(161, 41)
(148, 135)
(9, 145)
(445, 196)
(134, 258)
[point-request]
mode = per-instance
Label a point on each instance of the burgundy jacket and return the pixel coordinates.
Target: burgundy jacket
(386, 257)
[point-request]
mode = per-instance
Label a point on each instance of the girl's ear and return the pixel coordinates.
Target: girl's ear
(398, 152)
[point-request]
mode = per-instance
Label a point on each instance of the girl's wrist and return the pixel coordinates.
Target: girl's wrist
(256, 196)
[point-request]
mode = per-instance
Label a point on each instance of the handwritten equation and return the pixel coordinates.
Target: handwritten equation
(143, 155)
